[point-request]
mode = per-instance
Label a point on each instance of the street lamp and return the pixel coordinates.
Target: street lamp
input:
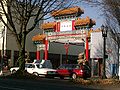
(66, 46)
(104, 35)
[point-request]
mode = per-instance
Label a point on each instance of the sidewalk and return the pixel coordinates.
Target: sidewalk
(106, 84)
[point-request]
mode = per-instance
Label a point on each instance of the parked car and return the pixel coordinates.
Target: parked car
(36, 69)
(74, 71)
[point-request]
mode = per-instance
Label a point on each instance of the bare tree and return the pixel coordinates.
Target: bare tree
(111, 13)
(20, 13)
(113, 21)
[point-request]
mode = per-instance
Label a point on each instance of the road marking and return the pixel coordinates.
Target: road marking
(11, 88)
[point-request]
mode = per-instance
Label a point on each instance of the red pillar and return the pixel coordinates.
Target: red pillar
(66, 46)
(73, 25)
(87, 49)
(46, 49)
(38, 55)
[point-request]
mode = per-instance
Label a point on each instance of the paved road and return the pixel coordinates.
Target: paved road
(43, 84)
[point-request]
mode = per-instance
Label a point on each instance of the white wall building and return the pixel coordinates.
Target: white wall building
(96, 53)
(10, 45)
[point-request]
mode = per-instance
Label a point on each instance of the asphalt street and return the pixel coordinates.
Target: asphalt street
(43, 84)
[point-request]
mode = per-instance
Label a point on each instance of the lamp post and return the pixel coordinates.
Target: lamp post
(104, 35)
(66, 46)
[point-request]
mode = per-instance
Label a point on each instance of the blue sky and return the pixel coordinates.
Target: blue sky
(94, 13)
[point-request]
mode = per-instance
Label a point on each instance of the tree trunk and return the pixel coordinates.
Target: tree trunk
(118, 61)
(21, 58)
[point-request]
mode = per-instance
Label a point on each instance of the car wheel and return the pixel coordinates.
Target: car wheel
(13, 71)
(74, 76)
(35, 73)
(61, 77)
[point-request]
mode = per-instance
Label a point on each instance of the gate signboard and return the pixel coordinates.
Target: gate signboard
(40, 47)
(75, 36)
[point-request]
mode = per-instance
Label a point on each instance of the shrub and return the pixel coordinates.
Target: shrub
(98, 82)
(22, 75)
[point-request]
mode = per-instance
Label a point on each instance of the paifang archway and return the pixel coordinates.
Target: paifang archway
(67, 28)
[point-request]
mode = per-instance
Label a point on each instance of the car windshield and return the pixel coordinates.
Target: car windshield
(29, 66)
(75, 66)
(69, 66)
(86, 67)
(40, 66)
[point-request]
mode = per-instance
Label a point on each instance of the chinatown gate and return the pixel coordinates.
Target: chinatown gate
(68, 28)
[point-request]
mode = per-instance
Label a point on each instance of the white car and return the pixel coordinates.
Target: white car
(36, 69)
